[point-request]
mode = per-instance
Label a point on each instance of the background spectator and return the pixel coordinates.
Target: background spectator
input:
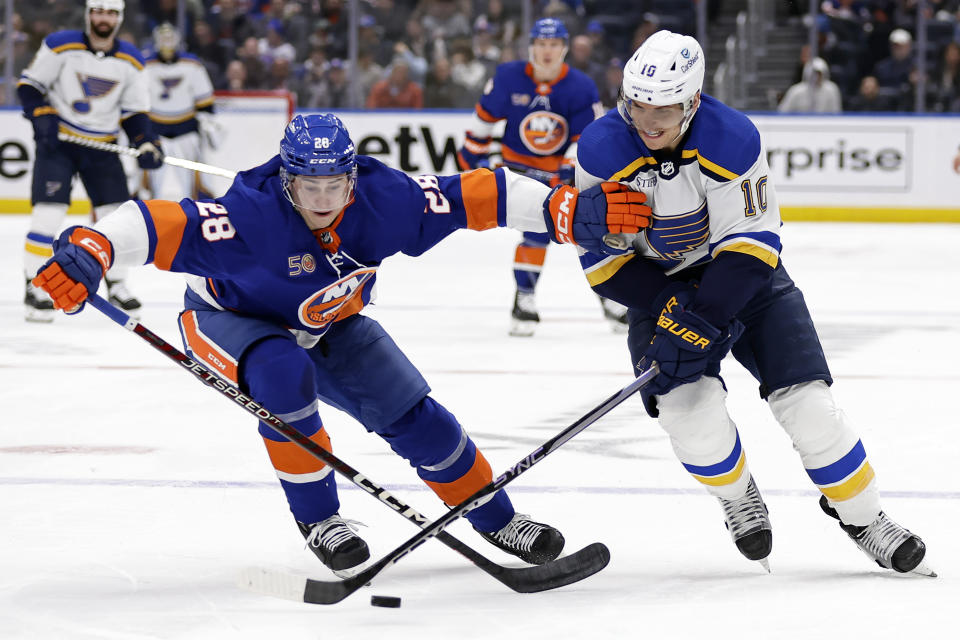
(869, 97)
(441, 92)
(815, 94)
(397, 90)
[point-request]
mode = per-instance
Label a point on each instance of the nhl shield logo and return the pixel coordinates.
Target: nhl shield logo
(667, 169)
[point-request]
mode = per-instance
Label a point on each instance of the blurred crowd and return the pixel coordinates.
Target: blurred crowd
(440, 53)
(867, 58)
(412, 53)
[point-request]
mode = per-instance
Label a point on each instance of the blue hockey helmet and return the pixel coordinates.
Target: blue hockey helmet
(316, 146)
(546, 28)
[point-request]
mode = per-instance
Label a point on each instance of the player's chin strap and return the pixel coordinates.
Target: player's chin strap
(557, 573)
(129, 151)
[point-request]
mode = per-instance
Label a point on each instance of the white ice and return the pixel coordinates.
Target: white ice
(131, 496)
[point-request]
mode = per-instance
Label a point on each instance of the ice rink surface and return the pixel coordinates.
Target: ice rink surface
(131, 496)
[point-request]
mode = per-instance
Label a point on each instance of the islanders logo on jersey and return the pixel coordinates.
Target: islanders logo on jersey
(338, 300)
(544, 132)
(93, 87)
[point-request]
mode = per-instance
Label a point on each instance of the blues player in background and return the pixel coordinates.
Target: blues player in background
(182, 111)
(546, 104)
(282, 265)
(88, 84)
(707, 269)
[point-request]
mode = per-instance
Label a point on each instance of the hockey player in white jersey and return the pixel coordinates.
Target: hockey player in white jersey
(706, 278)
(87, 84)
(181, 108)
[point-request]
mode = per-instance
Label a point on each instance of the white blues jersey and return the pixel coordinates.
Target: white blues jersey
(178, 89)
(709, 196)
(92, 91)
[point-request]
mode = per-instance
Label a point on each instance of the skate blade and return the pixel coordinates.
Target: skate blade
(923, 570)
(765, 563)
(522, 328)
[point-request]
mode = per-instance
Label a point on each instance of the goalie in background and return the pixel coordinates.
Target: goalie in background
(283, 265)
(181, 108)
(87, 84)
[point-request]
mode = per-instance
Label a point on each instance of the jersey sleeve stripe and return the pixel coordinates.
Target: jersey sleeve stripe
(485, 115)
(168, 220)
(129, 58)
(714, 170)
(631, 168)
(605, 269)
(69, 46)
(481, 191)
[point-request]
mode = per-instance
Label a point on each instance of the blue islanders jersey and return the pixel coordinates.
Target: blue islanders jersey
(710, 197)
(544, 120)
(251, 252)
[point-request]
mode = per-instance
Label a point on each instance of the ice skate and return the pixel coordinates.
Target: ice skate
(616, 315)
(748, 522)
(524, 315)
(121, 297)
(37, 305)
(532, 542)
(333, 541)
(886, 542)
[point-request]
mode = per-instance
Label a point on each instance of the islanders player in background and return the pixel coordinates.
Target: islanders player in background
(88, 84)
(546, 104)
(707, 270)
(182, 111)
(282, 265)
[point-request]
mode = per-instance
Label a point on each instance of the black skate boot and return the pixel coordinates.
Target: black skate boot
(524, 315)
(333, 541)
(748, 522)
(37, 305)
(532, 542)
(121, 297)
(886, 542)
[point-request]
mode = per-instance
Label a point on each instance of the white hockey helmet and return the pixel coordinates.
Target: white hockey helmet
(667, 69)
(105, 5)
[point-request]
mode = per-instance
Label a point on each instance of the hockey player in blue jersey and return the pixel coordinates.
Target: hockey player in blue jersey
(87, 84)
(546, 105)
(707, 269)
(281, 267)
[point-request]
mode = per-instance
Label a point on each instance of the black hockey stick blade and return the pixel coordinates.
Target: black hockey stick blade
(557, 573)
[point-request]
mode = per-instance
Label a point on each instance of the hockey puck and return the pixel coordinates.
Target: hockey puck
(391, 602)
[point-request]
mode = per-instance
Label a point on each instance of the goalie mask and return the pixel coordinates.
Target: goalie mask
(166, 40)
(104, 5)
(667, 69)
(318, 164)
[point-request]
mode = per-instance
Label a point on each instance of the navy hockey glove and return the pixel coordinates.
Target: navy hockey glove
(151, 155)
(585, 217)
(80, 258)
(474, 154)
(46, 126)
(684, 344)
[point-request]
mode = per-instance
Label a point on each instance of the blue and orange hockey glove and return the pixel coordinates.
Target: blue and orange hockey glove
(475, 153)
(585, 217)
(80, 258)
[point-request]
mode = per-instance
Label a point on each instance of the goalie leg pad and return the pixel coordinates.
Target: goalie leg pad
(704, 437)
(831, 451)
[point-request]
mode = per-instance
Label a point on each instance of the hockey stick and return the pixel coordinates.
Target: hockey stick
(130, 151)
(558, 573)
(324, 592)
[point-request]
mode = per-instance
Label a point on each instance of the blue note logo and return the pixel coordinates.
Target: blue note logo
(93, 87)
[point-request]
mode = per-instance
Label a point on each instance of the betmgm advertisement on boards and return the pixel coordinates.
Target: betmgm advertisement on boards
(829, 167)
